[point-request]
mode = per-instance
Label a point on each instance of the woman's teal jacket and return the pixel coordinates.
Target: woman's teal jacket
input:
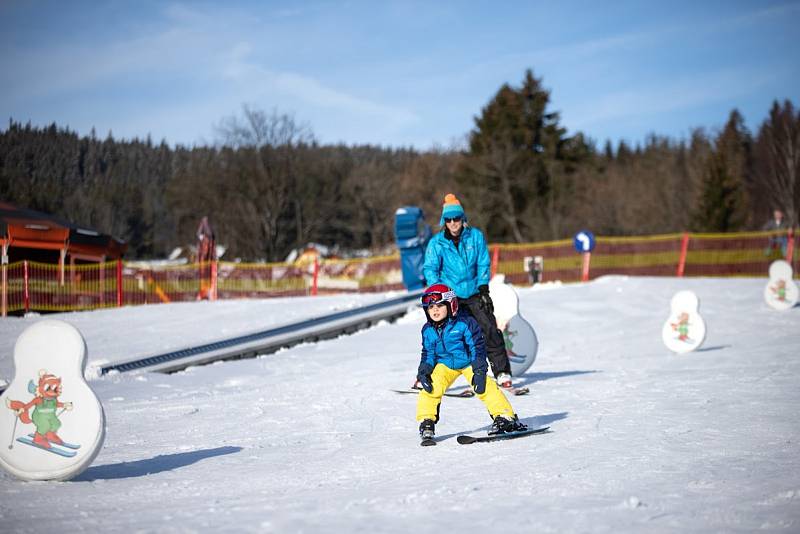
(463, 269)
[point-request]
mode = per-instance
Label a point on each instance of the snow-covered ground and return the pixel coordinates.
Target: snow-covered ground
(311, 439)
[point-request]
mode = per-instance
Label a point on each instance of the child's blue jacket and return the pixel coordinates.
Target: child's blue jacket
(457, 344)
(462, 268)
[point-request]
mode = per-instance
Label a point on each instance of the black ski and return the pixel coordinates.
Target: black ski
(427, 442)
(466, 440)
(464, 394)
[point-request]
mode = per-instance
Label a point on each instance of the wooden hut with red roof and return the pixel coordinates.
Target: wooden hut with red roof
(32, 235)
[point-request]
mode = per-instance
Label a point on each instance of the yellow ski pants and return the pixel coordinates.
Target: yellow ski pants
(442, 377)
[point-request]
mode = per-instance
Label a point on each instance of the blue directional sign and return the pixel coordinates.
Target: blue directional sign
(584, 241)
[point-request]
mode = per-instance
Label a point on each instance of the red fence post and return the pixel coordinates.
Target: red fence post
(214, 270)
(495, 260)
(119, 283)
(790, 246)
(3, 289)
(684, 252)
(25, 292)
(316, 277)
(587, 259)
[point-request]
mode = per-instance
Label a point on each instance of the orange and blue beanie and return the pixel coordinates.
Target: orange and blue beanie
(451, 208)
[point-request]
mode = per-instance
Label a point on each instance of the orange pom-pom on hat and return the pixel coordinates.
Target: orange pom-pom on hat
(451, 208)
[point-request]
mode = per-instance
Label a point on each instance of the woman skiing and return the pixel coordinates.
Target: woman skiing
(458, 257)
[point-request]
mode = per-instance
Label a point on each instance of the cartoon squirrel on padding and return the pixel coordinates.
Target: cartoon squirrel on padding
(44, 403)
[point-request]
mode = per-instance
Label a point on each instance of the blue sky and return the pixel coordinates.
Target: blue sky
(393, 73)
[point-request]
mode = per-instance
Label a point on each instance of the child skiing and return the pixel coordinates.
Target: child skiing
(453, 345)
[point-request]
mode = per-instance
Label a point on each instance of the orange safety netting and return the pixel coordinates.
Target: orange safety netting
(47, 287)
(733, 254)
(27, 286)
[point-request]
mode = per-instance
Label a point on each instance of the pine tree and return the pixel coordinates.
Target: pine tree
(513, 173)
(722, 205)
(778, 161)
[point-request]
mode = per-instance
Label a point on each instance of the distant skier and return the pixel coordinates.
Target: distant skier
(779, 241)
(458, 257)
(453, 345)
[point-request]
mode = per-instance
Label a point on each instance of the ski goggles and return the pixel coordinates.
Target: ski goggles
(437, 298)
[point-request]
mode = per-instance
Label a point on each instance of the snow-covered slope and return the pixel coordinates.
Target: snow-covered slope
(311, 439)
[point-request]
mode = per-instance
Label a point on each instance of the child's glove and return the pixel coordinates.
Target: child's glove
(424, 377)
(486, 299)
(479, 383)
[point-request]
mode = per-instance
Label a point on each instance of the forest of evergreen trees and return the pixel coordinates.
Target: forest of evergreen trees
(268, 186)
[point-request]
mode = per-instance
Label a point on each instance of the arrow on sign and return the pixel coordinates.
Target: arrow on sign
(585, 240)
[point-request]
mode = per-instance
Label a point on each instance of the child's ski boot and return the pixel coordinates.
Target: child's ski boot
(427, 429)
(503, 425)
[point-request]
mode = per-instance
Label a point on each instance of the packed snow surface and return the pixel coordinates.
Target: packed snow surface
(312, 439)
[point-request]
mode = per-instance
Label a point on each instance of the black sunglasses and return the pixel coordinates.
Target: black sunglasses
(451, 219)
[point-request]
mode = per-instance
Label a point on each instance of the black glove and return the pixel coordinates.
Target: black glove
(486, 299)
(424, 377)
(479, 382)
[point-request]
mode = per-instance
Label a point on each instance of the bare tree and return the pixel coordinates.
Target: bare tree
(271, 142)
(496, 180)
(372, 188)
(427, 179)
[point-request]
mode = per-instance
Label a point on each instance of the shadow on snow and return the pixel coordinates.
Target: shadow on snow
(715, 347)
(150, 466)
(531, 378)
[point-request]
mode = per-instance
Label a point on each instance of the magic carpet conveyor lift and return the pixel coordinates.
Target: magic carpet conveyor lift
(270, 340)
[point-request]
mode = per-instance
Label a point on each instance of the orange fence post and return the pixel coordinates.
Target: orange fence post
(587, 259)
(495, 260)
(62, 258)
(684, 252)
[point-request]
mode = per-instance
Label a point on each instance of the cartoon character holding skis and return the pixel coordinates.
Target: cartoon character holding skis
(44, 403)
(779, 290)
(682, 327)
